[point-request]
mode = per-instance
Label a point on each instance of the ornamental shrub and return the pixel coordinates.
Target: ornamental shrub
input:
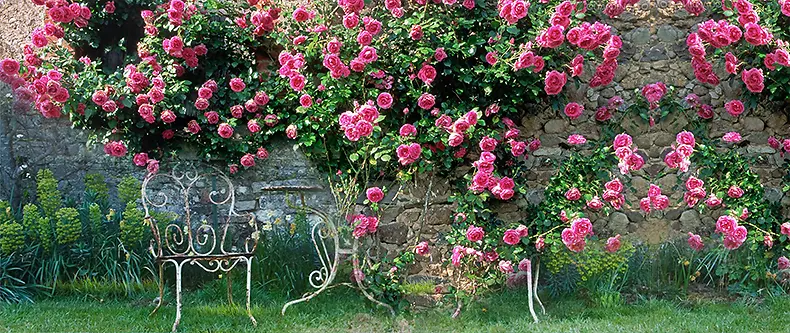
(95, 219)
(49, 196)
(96, 184)
(129, 189)
(67, 226)
(30, 217)
(132, 225)
(12, 237)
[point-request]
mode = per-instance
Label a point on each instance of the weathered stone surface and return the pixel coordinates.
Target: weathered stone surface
(753, 124)
(555, 126)
(393, 233)
(618, 223)
(690, 220)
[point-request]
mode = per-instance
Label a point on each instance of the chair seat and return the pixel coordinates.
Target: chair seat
(206, 257)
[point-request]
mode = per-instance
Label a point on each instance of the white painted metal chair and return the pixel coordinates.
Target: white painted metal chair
(205, 199)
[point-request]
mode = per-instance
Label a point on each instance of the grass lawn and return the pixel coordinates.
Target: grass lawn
(344, 311)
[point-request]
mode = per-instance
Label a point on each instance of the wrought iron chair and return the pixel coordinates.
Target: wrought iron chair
(204, 193)
(329, 255)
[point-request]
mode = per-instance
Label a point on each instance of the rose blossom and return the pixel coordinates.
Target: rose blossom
(505, 266)
(140, 159)
(573, 194)
(734, 192)
(511, 237)
(554, 82)
(695, 242)
(783, 263)
(225, 131)
(734, 107)
(247, 161)
(474, 234)
(732, 137)
(613, 244)
(576, 139)
(237, 85)
(573, 110)
(753, 79)
(407, 130)
(374, 194)
(384, 100)
(426, 101)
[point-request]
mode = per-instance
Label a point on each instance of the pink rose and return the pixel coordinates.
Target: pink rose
(455, 139)
(734, 192)
(554, 82)
(693, 183)
(505, 266)
(783, 263)
(422, 249)
(686, 138)
(713, 201)
(511, 237)
(474, 234)
(622, 140)
(237, 85)
(212, 117)
(644, 205)
(225, 131)
(168, 116)
(573, 194)
(140, 159)
(695, 242)
(732, 137)
(248, 160)
(581, 227)
(491, 58)
(426, 101)
(416, 32)
(734, 107)
(725, 224)
(573, 110)
(115, 149)
(660, 202)
(572, 241)
(306, 101)
(595, 203)
(384, 100)
(613, 244)
(439, 54)
(614, 185)
(290, 131)
(374, 194)
(253, 126)
(753, 79)
(193, 127)
(153, 166)
(576, 139)
(488, 144)
(427, 74)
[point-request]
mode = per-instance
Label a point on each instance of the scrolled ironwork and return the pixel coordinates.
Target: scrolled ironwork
(196, 244)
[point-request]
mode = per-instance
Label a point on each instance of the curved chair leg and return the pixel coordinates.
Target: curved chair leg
(531, 295)
(535, 289)
(249, 278)
(178, 295)
(161, 290)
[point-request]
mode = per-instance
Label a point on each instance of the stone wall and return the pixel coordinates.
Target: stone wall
(654, 50)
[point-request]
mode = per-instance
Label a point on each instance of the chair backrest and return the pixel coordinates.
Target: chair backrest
(207, 223)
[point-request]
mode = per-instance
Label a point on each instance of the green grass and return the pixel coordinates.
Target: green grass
(342, 310)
